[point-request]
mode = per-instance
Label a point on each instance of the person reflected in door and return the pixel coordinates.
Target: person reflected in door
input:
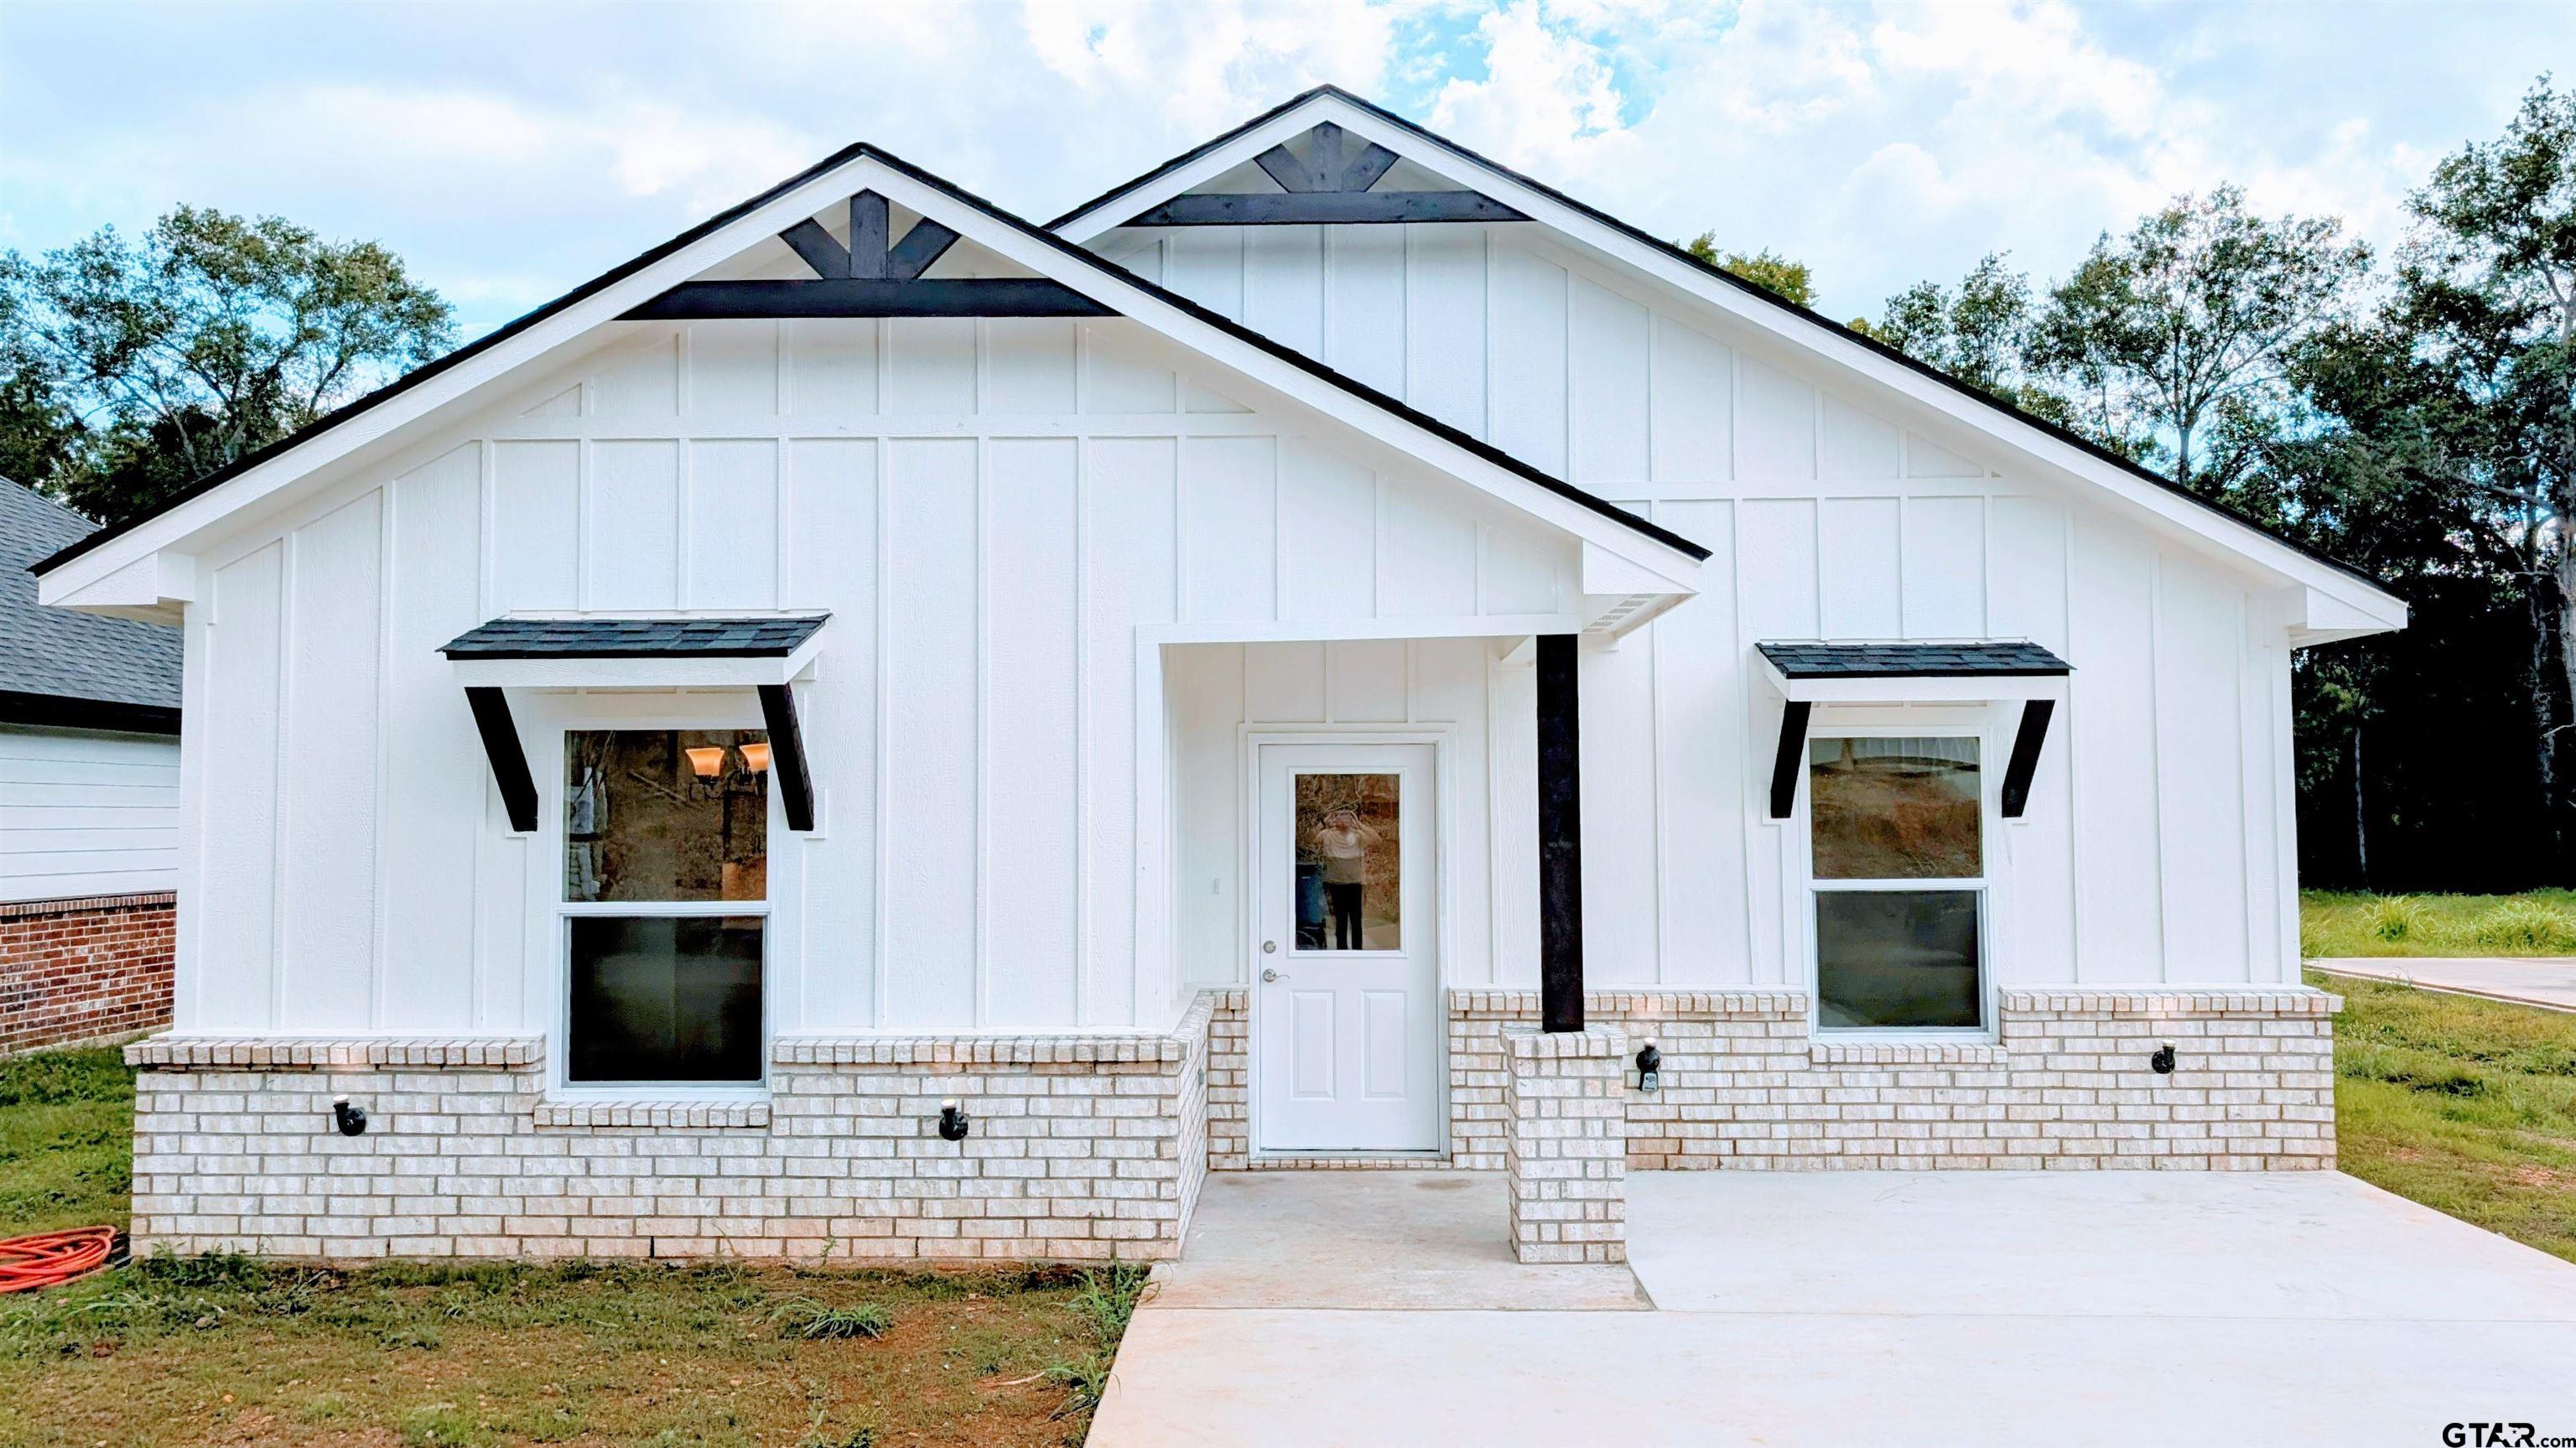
(1344, 843)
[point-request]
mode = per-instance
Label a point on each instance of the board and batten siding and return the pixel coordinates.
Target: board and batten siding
(2158, 844)
(989, 510)
(85, 813)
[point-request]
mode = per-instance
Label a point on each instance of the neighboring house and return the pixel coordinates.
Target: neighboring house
(89, 802)
(1319, 656)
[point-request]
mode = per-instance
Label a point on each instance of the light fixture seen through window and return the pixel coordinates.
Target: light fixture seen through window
(706, 762)
(755, 757)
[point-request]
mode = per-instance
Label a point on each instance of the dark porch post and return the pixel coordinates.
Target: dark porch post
(1560, 836)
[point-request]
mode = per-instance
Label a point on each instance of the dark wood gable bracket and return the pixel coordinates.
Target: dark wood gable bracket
(1333, 187)
(873, 276)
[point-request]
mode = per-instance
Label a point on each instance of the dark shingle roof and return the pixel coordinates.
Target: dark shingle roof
(59, 666)
(636, 638)
(1910, 661)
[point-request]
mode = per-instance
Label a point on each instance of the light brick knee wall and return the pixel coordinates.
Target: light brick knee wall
(2066, 1084)
(1230, 1081)
(1083, 1147)
(78, 971)
(1565, 1157)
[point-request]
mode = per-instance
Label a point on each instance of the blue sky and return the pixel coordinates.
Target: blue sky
(512, 151)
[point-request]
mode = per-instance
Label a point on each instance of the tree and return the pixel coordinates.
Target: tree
(2174, 336)
(1766, 268)
(2489, 287)
(134, 368)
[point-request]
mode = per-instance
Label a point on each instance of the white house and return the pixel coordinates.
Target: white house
(89, 802)
(1324, 653)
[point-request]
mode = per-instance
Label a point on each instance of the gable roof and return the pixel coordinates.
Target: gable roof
(1992, 413)
(61, 666)
(1446, 446)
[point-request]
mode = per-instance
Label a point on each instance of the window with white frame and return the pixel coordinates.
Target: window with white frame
(1898, 837)
(665, 904)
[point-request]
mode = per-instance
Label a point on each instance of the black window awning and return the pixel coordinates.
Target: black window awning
(1812, 672)
(763, 637)
(761, 652)
(2015, 658)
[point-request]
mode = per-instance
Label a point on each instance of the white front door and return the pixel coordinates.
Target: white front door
(1345, 951)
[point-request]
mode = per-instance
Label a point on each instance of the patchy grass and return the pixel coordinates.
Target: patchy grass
(2336, 924)
(2465, 1105)
(226, 1350)
(66, 1140)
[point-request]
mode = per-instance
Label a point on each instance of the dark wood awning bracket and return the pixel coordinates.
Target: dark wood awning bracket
(872, 276)
(1329, 186)
(1791, 758)
(501, 745)
(509, 759)
(787, 755)
(2027, 742)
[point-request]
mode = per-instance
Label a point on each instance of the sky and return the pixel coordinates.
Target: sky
(510, 152)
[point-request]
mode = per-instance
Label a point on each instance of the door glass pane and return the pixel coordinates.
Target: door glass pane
(1349, 890)
(665, 998)
(1897, 958)
(666, 814)
(1895, 809)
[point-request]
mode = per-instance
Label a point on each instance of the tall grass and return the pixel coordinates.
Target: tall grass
(2540, 923)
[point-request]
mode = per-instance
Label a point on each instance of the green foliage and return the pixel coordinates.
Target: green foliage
(803, 1317)
(2333, 925)
(2399, 917)
(66, 1144)
(1766, 268)
(1105, 1305)
(136, 367)
(2465, 1105)
(2528, 927)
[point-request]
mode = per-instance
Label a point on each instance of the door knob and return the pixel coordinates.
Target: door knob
(1269, 975)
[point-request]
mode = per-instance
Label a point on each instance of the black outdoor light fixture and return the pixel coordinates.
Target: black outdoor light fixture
(2162, 1062)
(1650, 1067)
(953, 1124)
(352, 1119)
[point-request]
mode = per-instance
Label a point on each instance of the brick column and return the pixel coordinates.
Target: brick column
(1566, 1154)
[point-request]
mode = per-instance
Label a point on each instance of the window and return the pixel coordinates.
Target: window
(1349, 888)
(666, 890)
(1898, 828)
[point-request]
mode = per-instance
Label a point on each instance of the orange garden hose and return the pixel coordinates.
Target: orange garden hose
(49, 1259)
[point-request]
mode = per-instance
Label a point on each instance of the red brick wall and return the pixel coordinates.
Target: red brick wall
(84, 970)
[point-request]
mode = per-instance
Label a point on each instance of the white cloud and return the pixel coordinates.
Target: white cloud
(508, 153)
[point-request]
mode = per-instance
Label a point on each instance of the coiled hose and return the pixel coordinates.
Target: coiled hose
(49, 1259)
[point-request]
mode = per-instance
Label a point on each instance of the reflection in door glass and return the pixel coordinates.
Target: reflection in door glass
(1348, 888)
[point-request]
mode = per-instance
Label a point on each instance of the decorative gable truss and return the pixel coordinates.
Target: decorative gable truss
(1329, 185)
(872, 276)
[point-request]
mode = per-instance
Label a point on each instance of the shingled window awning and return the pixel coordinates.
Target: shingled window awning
(1808, 673)
(764, 652)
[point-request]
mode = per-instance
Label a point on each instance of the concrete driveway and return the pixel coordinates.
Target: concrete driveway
(1846, 1307)
(2547, 981)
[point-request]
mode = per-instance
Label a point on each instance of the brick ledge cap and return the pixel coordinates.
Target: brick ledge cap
(275, 1053)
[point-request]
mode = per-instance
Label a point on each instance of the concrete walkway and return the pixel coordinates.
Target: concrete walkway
(2546, 982)
(1844, 1307)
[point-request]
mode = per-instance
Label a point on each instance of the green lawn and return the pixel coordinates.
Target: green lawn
(226, 1350)
(2465, 1105)
(2338, 924)
(66, 1140)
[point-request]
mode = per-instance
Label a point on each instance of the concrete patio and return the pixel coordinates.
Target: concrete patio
(1839, 1307)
